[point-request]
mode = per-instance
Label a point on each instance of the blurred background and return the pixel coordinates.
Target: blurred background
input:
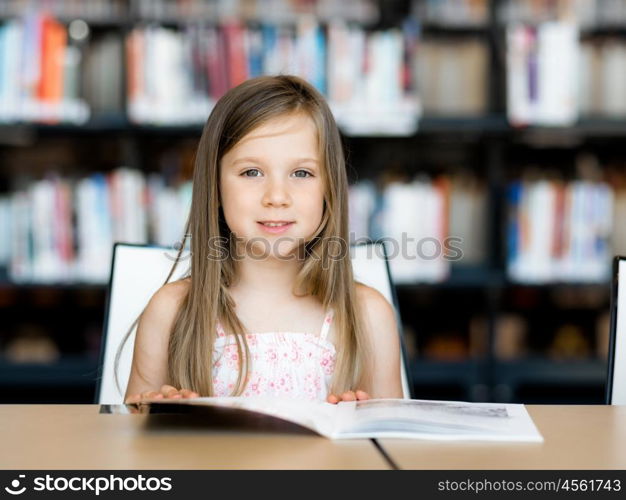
(499, 123)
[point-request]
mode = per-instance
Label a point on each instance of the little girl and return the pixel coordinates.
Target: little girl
(270, 306)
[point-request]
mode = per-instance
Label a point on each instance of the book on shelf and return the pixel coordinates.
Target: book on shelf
(102, 75)
(63, 230)
(559, 231)
(277, 11)
(618, 236)
(412, 216)
(420, 216)
(311, 53)
(613, 83)
(467, 218)
(374, 418)
(376, 81)
(603, 78)
(367, 80)
(362, 198)
(189, 11)
(589, 14)
(53, 44)
(5, 231)
(452, 78)
(451, 13)
(176, 76)
(39, 70)
(70, 9)
(542, 74)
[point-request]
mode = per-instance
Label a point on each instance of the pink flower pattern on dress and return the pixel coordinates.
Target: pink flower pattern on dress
(286, 364)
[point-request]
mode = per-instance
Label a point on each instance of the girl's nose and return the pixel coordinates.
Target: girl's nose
(276, 194)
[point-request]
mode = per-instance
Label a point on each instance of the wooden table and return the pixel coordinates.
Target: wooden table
(79, 437)
(575, 437)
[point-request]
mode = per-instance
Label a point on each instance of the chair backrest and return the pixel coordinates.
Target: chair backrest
(138, 271)
(616, 377)
(371, 267)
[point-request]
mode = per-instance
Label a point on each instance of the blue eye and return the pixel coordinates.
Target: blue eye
(308, 174)
(247, 172)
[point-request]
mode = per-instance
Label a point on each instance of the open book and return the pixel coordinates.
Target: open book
(373, 418)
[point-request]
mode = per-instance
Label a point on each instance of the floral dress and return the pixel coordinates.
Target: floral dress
(283, 364)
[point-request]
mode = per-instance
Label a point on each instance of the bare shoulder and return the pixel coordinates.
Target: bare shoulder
(374, 304)
(176, 290)
(168, 298)
(163, 306)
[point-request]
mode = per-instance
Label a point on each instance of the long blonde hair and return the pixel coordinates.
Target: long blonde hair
(325, 273)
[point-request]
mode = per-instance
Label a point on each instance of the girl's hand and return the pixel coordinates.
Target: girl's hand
(166, 392)
(348, 396)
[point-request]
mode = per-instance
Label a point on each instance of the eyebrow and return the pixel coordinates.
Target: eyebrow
(253, 159)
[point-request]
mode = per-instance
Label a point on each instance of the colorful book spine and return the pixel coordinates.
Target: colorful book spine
(559, 232)
(58, 231)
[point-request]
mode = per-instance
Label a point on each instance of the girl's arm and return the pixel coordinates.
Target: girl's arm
(148, 375)
(382, 378)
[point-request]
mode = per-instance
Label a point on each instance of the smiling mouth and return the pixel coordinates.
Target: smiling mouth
(275, 226)
(275, 223)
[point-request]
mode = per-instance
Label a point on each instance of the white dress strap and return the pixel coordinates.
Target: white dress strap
(328, 319)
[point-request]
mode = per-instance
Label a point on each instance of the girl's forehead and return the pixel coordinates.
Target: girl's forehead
(298, 127)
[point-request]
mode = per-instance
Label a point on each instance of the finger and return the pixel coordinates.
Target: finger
(168, 391)
(332, 399)
(151, 395)
(362, 395)
(134, 398)
(186, 393)
(348, 396)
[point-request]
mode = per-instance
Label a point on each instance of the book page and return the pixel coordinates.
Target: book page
(313, 415)
(441, 420)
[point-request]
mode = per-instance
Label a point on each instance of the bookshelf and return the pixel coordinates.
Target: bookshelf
(452, 325)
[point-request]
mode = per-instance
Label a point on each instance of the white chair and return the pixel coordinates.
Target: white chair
(138, 271)
(616, 379)
(371, 267)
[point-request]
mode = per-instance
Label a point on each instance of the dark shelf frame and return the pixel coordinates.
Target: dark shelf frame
(69, 371)
(493, 126)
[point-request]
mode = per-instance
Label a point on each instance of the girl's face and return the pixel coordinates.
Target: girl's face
(271, 186)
